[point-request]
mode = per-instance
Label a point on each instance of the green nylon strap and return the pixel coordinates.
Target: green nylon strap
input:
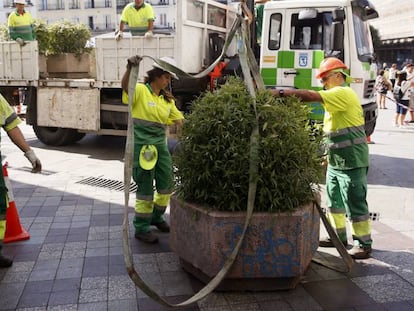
(128, 172)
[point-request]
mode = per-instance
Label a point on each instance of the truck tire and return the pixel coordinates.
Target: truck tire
(56, 136)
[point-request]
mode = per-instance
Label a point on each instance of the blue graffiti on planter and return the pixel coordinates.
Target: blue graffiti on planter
(273, 256)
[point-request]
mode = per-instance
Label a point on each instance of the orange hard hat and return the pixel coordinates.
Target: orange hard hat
(328, 64)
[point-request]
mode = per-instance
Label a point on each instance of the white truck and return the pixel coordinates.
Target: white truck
(296, 36)
(63, 106)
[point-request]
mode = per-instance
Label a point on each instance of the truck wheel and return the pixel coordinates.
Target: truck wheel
(56, 136)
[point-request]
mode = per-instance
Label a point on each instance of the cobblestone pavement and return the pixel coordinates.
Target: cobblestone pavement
(73, 259)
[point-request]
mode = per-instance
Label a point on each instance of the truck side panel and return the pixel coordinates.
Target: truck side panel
(76, 108)
(19, 62)
(112, 55)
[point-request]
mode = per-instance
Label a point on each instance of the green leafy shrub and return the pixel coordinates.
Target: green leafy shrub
(67, 37)
(42, 35)
(4, 32)
(213, 161)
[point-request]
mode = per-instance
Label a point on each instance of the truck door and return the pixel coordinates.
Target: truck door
(297, 42)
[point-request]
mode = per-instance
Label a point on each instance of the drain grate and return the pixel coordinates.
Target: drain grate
(106, 183)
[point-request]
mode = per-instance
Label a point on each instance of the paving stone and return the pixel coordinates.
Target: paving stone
(93, 295)
(93, 306)
(66, 284)
(42, 275)
(124, 305)
(39, 286)
(388, 287)
(121, 287)
(68, 307)
(94, 282)
(46, 264)
(10, 294)
(63, 297)
(33, 300)
(176, 283)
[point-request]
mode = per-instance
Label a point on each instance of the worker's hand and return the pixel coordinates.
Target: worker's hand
(34, 160)
(20, 41)
(118, 35)
(134, 61)
(149, 34)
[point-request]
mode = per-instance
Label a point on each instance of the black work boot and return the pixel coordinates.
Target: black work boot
(5, 262)
(327, 242)
(147, 237)
(360, 252)
(162, 226)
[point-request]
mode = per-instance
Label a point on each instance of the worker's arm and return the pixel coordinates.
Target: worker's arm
(132, 61)
(151, 25)
(18, 139)
(305, 95)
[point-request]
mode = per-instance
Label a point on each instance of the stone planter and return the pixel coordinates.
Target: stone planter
(276, 251)
(71, 67)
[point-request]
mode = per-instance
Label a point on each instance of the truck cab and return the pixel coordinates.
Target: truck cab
(295, 38)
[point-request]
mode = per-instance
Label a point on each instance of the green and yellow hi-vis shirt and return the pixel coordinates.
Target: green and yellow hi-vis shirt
(137, 20)
(21, 26)
(8, 118)
(151, 115)
(344, 128)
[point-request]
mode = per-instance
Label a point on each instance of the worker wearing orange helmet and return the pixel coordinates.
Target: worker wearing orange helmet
(348, 159)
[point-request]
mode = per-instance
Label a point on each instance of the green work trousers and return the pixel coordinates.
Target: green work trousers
(346, 195)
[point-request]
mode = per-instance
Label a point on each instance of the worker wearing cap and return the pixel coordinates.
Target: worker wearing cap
(348, 160)
(20, 23)
(10, 122)
(140, 19)
(153, 109)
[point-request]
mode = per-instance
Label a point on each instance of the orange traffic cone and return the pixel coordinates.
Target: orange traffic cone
(14, 230)
(369, 141)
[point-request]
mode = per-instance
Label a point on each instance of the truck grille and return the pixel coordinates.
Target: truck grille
(369, 88)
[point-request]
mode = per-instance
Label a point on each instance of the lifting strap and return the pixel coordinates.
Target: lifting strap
(249, 69)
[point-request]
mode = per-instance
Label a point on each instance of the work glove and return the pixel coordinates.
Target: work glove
(34, 160)
(20, 41)
(149, 34)
(134, 61)
(118, 35)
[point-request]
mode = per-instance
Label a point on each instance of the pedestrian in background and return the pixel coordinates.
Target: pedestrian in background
(409, 68)
(382, 86)
(348, 160)
(20, 23)
(140, 19)
(153, 109)
(10, 122)
(402, 87)
(393, 74)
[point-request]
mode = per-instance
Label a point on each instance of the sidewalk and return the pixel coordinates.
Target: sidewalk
(73, 259)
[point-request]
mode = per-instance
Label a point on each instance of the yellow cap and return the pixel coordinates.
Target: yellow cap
(148, 157)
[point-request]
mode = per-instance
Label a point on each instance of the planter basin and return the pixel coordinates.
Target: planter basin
(276, 251)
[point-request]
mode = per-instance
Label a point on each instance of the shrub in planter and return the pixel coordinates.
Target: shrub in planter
(42, 35)
(4, 32)
(208, 211)
(67, 37)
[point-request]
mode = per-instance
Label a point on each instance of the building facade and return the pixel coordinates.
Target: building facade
(100, 15)
(396, 29)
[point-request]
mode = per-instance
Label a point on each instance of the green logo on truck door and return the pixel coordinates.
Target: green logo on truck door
(295, 69)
